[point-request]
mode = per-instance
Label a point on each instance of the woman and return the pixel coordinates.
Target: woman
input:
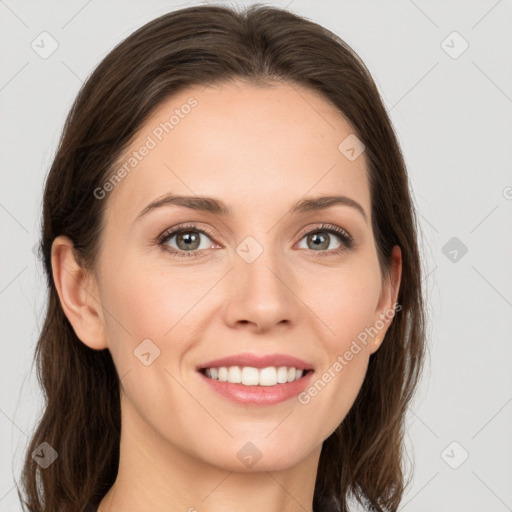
(235, 316)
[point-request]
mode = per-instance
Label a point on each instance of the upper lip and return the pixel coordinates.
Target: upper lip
(258, 361)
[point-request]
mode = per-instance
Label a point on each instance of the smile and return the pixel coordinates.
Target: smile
(246, 388)
(251, 376)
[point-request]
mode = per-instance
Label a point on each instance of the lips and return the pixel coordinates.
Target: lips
(257, 361)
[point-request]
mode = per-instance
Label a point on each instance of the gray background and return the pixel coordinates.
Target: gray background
(452, 114)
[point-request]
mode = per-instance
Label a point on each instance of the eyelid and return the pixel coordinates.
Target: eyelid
(327, 227)
(175, 230)
(183, 227)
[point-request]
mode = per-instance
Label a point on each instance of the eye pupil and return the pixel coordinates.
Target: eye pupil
(319, 240)
(190, 238)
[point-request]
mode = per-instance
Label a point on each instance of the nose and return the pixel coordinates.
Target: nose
(260, 294)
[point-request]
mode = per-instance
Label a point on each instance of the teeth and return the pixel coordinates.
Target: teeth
(234, 375)
(282, 374)
(223, 374)
(250, 376)
(268, 376)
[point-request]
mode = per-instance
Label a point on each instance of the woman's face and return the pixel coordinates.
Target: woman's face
(265, 278)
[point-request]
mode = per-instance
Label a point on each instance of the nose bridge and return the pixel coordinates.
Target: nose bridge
(260, 284)
(258, 262)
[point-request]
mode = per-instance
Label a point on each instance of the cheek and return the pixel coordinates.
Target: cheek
(148, 328)
(332, 393)
(345, 301)
(148, 299)
(334, 388)
(347, 306)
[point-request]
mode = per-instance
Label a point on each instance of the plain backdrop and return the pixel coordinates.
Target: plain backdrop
(444, 70)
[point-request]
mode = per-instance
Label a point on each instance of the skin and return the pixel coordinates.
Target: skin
(259, 150)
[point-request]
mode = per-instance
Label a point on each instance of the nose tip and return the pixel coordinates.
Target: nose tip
(259, 296)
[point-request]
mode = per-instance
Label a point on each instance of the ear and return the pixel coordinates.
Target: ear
(78, 294)
(385, 311)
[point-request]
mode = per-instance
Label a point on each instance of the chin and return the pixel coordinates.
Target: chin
(259, 455)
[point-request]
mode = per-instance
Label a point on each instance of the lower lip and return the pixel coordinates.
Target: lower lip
(258, 395)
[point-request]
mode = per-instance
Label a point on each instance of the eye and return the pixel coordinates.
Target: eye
(319, 240)
(188, 240)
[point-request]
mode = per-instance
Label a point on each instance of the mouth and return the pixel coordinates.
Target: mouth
(256, 379)
(251, 386)
(251, 376)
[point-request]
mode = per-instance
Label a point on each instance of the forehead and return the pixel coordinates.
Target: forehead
(248, 145)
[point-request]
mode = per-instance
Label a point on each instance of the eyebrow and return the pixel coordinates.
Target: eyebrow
(218, 207)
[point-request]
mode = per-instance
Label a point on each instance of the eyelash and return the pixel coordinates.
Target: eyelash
(347, 240)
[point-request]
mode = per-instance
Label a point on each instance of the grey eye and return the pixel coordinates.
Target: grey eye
(188, 240)
(319, 240)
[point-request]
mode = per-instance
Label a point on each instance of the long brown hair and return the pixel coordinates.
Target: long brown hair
(199, 45)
